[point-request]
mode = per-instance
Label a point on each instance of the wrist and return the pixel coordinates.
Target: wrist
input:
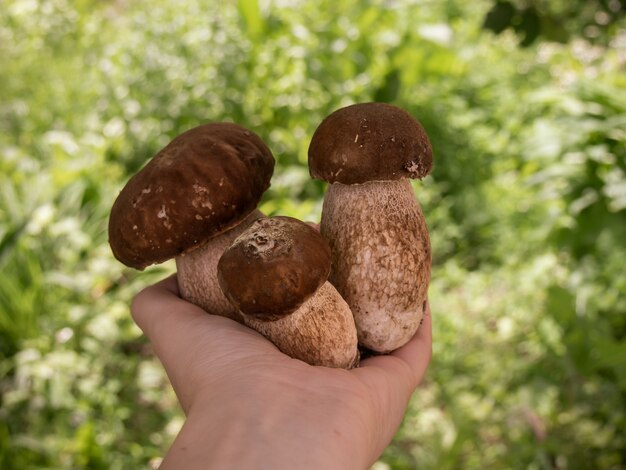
(275, 426)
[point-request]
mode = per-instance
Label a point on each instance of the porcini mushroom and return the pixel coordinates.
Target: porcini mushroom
(190, 202)
(276, 274)
(372, 220)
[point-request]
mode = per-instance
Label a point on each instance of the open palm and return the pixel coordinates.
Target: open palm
(236, 387)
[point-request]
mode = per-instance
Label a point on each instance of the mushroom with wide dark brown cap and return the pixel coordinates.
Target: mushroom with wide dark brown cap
(372, 220)
(190, 202)
(276, 274)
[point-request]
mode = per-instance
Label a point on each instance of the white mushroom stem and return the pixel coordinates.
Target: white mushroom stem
(197, 271)
(381, 258)
(325, 321)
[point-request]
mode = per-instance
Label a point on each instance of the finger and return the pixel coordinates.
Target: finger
(404, 368)
(159, 307)
(185, 338)
(163, 316)
(417, 353)
(176, 327)
(171, 284)
(392, 379)
(413, 357)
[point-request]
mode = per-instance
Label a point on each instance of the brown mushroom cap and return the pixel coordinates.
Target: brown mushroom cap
(202, 183)
(369, 142)
(274, 267)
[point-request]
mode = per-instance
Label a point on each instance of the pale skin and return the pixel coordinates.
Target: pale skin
(249, 406)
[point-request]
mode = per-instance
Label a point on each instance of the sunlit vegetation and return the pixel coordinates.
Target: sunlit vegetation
(526, 207)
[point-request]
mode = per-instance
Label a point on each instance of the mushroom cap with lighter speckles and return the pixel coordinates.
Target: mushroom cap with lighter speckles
(272, 268)
(369, 142)
(202, 183)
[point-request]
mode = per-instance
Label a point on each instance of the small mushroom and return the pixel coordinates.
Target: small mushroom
(276, 274)
(372, 220)
(190, 202)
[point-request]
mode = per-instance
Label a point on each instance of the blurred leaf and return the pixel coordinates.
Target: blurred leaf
(552, 29)
(561, 305)
(529, 26)
(390, 88)
(610, 353)
(90, 454)
(9, 239)
(499, 17)
(251, 14)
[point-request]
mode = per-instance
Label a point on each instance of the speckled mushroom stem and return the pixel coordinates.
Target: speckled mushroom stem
(325, 315)
(381, 258)
(197, 271)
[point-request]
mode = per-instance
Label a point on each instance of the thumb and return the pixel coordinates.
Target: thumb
(188, 341)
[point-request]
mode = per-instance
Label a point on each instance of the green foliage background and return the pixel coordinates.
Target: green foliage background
(526, 207)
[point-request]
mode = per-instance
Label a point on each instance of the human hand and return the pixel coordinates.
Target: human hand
(250, 406)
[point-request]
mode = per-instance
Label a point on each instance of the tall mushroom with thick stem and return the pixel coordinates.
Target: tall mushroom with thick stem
(190, 202)
(372, 220)
(276, 274)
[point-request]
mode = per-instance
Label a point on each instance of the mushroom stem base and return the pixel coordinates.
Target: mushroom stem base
(321, 332)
